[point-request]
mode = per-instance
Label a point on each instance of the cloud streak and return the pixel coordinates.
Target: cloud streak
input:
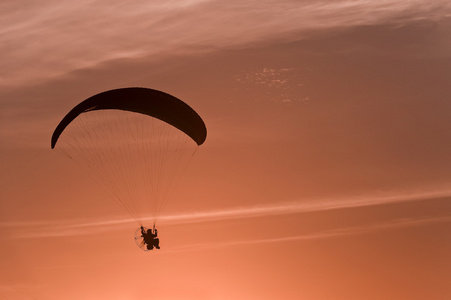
(333, 233)
(41, 41)
(45, 229)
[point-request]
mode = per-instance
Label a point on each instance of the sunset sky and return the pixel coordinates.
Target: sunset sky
(326, 173)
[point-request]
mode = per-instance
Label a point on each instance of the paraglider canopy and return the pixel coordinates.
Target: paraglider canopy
(134, 142)
(145, 101)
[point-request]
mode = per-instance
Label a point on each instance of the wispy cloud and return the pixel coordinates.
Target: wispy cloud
(301, 207)
(39, 41)
(58, 228)
(18, 291)
(333, 233)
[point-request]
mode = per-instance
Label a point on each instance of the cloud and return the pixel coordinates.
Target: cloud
(42, 41)
(284, 85)
(58, 228)
(333, 233)
(300, 207)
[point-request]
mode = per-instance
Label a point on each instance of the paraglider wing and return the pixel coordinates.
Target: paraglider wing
(134, 142)
(145, 101)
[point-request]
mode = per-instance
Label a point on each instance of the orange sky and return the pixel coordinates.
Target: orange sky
(326, 170)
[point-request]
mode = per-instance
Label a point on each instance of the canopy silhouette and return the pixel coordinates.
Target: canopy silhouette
(145, 101)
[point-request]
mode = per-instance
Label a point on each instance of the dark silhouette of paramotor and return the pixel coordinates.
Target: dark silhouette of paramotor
(134, 142)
